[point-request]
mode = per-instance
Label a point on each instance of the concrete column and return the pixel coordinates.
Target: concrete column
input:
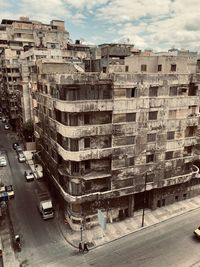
(130, 205)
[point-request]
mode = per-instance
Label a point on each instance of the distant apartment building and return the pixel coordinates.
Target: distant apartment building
(16, 37)
(110, 138)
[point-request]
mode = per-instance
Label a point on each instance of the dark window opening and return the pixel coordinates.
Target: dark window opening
(149, 158)
(130, 117)
(153, 115)
(173, 67)
(170, 135)
(74, 167)
(153, 91)
(143, 67)
(168, 155)
(173, 91)
(133, 92)
(126, 68)
(159, 67)
(86, 119)
(87, 142)
(151, 137)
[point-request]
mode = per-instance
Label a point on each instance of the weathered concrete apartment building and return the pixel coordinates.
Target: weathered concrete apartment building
(118, 132)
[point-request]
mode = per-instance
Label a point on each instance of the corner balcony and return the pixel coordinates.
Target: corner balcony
(84, 155)
(81, 131)
(194, 173)
(84, 105)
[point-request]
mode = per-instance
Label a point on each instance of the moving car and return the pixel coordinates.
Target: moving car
(3, 161)
(21, 157)
(29, 175)
(197, 232)
(15, 145)
(6, 127)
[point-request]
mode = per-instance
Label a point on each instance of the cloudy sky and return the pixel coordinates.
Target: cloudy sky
(149, 24)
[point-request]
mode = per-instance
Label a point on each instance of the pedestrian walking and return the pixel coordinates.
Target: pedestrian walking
(85, 248)
(80, 247)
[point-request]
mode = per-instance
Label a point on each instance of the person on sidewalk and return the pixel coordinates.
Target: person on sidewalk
(80, 247)
(85, 248)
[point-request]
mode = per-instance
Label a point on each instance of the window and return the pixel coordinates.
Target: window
(87, 142)
(149, 158)
(150, 177)
(173, 67)
(130, 161)
(153, 115)
(153, 91)
(126, 68)
(74, 145)
(170, 135)
(172, 114)
(151, 137)
(159, 67)
(86, 119)
(168, 155)
(131, 92)
(74, 167)
(187, 151)
(143, 67)
(173, 91)
(104, 69)
(18, 52)
(87, 165)
(130, 140)
(190, 131)
(130, 117)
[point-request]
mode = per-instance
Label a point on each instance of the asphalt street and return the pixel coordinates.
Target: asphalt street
(42, 242)
(170, 243)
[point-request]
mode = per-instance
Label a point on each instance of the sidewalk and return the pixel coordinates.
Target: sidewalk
(97, 237)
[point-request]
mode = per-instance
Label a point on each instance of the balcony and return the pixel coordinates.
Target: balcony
(84, 106)
(194, 173)
(81, 131)
(91, 175)
(84, 155)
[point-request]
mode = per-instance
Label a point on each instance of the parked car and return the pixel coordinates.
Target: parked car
(6, 127)
(29, 175)
(21, 157)
(19, 149)
(9, 189)
(3, 119)
(3, 161)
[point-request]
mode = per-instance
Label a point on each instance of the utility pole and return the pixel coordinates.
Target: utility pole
(144, 198)
(81, 228)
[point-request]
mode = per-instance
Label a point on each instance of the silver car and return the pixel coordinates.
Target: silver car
(3, 162)
(29, 175)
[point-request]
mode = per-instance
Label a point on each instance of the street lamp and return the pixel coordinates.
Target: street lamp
(144, 198)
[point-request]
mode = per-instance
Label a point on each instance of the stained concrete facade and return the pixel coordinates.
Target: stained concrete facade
(110, 139)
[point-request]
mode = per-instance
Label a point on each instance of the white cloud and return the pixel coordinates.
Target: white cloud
(89, 4)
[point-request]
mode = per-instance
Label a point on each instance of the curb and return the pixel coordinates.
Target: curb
(143, 228)
(125, 235)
